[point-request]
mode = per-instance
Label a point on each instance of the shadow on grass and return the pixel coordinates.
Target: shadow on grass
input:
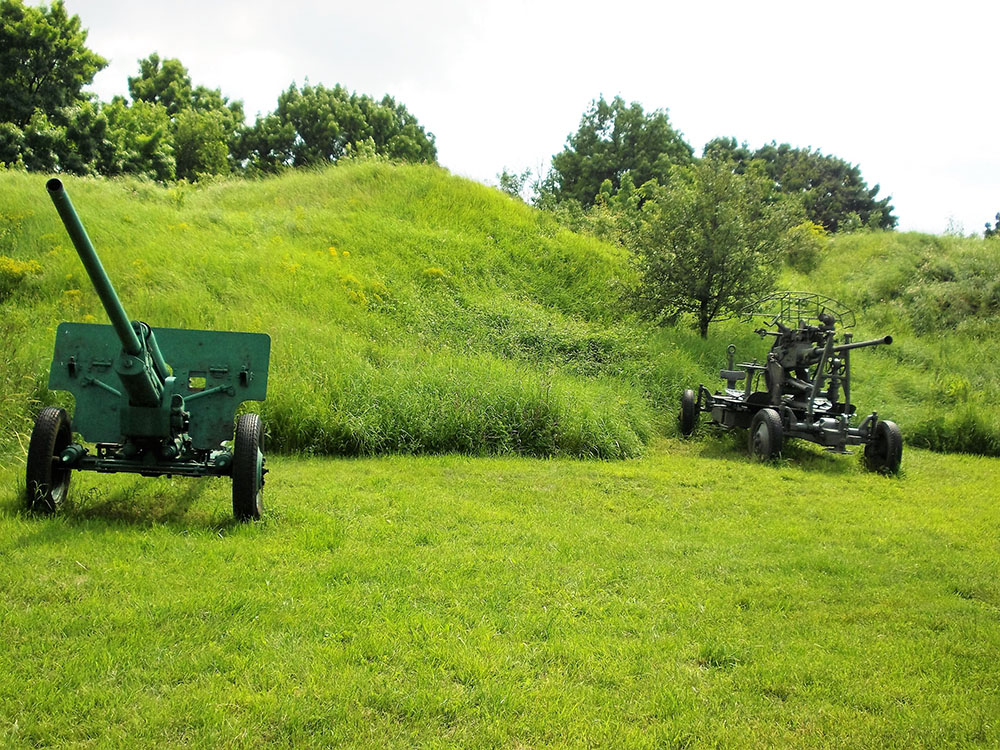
(732, 444)
(140, 502)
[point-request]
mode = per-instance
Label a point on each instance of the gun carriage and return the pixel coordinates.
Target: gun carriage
(802, 390)
(155, 402)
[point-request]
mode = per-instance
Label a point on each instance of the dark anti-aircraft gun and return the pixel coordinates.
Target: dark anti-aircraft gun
(802, 390)
(155, 402)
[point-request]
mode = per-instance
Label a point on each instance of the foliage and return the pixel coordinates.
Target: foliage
(44, 63)
(708, 242)
(992, 231)
(204, 125)
(512, 183)
(832, 191)
(172, 129)
(200, 140)
(13, 272)
(139, 140)
(613, 139)
(805, 243)
(314, 125)
(165, 82)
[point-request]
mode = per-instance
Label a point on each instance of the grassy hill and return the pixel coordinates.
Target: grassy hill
(413, 311)
(409, 310)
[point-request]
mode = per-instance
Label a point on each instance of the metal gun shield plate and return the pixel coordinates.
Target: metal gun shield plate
(221, 370)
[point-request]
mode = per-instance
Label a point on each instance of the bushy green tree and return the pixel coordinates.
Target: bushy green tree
(44, 61)
(314, 125)
(48, 123)
(613, 138)
(992, 231)
(709, 241)
(205, 126)
(165, 82)
(201, 143)
(138, 140)
(832, 191)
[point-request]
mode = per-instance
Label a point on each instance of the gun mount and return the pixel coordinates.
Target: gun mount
(802, 389)
(146, 415)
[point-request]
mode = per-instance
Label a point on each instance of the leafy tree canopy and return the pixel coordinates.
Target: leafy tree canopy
(204, 125)
(709, 241)
(833, 192)
(992, 231)
(163, 82)
(315, 125)
(613, 138)
(139, 140)
(44, 63)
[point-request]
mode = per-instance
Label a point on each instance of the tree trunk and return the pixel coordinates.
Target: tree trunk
(703, 319)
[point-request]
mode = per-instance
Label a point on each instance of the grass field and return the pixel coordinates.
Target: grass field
(685, 599)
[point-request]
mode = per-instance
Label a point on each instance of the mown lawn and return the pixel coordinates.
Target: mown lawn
(685, 599)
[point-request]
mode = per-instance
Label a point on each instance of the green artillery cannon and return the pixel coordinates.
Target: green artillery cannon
(154, 402)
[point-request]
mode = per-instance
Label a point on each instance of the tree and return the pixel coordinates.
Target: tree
(992, 231)
(614, 138)
(205, 127)
(709, 241)
(830, 188)
(314, 125)
(163, 82)
(201, 143)
(44, 63)
(512, 183)
(138, 140)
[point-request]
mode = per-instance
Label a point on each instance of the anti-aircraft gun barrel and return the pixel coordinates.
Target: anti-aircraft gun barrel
(859, 344)
(98, 277)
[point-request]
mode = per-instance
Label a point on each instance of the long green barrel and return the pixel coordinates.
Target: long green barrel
(98, 277)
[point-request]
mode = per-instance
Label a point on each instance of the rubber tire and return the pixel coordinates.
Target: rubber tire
(248, 468)
(884, 452)
(766, 435)
(689, 413)
(46, 481)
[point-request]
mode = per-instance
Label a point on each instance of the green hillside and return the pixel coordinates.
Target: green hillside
(409, 310)
(414, 311)
(939, 297)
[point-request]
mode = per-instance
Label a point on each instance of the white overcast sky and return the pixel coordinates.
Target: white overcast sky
(907, 90)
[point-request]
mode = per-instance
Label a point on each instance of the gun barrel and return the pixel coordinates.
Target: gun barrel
(860, 344)
(98, 277)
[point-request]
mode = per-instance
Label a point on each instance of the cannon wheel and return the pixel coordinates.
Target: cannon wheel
(689, 413)
(248, 468)
(884, 452)
(47, 481)
(765, 435)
